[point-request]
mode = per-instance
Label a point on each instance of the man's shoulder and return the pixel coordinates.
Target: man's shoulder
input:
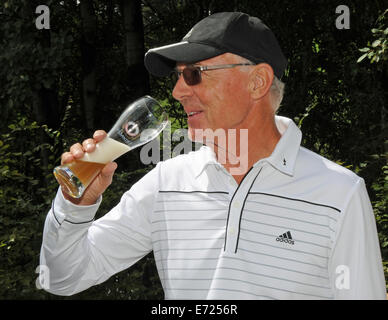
(320, 180)
(190, 162)
(194, 155)
(314, 165)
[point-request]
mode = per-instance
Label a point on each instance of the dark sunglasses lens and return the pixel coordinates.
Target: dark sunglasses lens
(191, 75)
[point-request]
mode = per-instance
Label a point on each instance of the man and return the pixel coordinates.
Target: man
(288, 224)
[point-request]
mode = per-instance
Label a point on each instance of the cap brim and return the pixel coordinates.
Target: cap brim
(161, 61)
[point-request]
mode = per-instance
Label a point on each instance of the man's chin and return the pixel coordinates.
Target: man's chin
(206, 136)
(194, 136)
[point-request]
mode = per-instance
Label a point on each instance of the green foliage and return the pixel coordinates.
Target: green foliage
(378, 49)
(33, 61)
(340, 105)
(25, 194)
(27, 189)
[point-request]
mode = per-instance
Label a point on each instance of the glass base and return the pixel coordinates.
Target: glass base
(67, 179)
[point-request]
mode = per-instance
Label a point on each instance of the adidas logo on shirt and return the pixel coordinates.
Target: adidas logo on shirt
(285, 237)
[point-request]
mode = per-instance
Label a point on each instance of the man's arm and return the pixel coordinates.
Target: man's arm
(355, 266)
(80, 252)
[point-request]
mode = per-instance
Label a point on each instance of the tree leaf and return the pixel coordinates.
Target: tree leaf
(362, 57)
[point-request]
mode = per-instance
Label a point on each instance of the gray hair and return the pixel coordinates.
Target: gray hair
(276, 90)
(277, 93)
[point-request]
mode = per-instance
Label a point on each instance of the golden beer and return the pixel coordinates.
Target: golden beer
(83, 171)
(76, 176)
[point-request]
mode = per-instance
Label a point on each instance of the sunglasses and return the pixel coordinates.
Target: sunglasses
(192, 74)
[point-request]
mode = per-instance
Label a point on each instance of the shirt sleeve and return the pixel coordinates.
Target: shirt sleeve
(78, 252)
(355, 267)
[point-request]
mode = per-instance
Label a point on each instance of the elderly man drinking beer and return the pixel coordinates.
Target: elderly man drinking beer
(292, 225)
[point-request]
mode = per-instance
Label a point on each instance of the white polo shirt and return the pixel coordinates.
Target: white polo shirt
(297, 227)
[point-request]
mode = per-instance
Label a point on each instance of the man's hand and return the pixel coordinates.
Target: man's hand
(104, 178)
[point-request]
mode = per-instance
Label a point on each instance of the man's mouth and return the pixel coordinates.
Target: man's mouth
(193, 113)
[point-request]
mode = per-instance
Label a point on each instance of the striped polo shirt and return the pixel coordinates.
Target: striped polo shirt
(289, 230)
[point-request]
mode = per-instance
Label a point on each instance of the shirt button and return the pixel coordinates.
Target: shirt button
(231, 230)
(236, 204)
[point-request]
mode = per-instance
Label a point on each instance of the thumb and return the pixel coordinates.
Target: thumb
(99, 185)
(108, 171)
(103, 180)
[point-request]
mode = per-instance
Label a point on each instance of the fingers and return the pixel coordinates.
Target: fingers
(89, 145)
(77, 150)
(99, 135)
(67, 157)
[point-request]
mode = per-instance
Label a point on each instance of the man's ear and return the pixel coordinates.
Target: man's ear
(260, 80)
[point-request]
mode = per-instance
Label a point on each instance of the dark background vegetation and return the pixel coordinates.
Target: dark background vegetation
(59, 85)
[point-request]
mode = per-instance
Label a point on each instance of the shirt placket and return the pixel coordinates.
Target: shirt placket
(236, 207)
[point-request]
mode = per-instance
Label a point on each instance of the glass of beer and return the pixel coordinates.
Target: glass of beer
(141, 122)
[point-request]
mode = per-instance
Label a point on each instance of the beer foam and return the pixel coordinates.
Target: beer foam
(106, 151)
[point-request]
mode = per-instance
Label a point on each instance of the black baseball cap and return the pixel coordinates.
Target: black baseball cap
(233, 32)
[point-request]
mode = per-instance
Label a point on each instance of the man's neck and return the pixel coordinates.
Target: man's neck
(247, 146)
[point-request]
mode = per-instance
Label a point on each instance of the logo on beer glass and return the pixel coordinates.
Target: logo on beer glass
(131, 128)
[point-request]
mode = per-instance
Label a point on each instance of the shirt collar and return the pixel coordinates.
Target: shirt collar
(283, 157)
(203, 158)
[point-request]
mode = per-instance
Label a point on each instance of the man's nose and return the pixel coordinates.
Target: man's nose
(181, 89)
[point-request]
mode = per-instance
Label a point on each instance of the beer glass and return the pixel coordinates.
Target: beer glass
(141, 122)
